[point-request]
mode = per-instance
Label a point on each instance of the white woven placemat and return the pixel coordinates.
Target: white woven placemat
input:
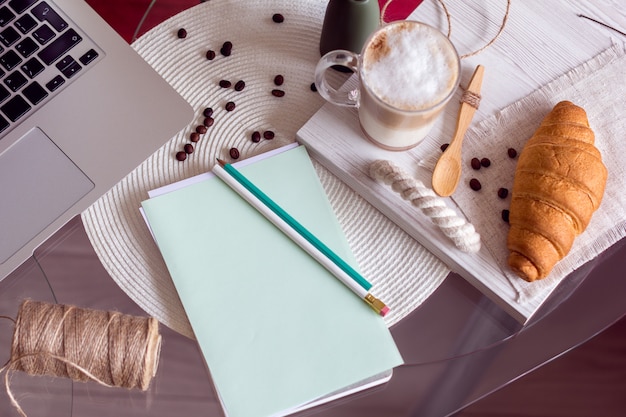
(404, 274)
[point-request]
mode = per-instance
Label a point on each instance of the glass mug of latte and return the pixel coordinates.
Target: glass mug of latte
(407, 71)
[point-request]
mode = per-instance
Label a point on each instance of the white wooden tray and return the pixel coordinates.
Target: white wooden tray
(542, 41)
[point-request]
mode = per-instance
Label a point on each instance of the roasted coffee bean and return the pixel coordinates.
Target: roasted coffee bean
(208, 112)
(313, 87)
(182, 33)
(194, 136)
(201, 129)
(256, 136)
(230, 106)
(181, 155)
(485, 162)
(240, 85)
(444, 147)
(210, 55)
(475, 162)
(505, 215)
(225, 83)
(188, 148)
(503, 193)
(512, 153)
(278, 18)
(268, 134)
(475, 184)
(279, 80)
(208, 121)
(234, 153)
(227, 48)
(278, 93)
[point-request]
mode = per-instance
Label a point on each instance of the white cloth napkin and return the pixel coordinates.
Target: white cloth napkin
(599, 87)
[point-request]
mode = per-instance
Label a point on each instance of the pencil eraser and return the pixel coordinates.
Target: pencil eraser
(384, 311)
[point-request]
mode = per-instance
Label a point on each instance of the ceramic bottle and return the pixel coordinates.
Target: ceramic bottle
(348, 23)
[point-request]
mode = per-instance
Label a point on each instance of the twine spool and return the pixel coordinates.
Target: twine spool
(110, 348)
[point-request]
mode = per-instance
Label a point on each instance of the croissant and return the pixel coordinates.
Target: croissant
(558, 184)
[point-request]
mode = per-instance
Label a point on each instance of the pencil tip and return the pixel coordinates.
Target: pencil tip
(221, 161)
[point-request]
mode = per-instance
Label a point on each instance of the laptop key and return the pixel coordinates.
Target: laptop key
(43, 34)
(71, 70)
(44, 13)
(4, 94)
(10, 60)
(32, 67)
(35, 93)
(59, 46)
(15, 108)
(15, 81)
(20, 5)
(26, 47)
(88, 56)
(6, 15)
(25, 23)
(55, 83)
(9, 36)
(66, 61)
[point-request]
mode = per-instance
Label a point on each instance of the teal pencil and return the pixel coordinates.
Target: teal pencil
(297, 232)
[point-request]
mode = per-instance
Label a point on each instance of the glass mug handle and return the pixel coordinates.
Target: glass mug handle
(342, 58)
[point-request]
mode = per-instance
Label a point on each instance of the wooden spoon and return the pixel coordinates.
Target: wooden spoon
(448, 169)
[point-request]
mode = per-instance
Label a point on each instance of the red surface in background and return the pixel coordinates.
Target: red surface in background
(125, 15)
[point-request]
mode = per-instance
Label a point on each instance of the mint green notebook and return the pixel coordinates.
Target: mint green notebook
(276, 329)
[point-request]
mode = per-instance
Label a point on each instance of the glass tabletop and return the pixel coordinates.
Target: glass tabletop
(454, 355)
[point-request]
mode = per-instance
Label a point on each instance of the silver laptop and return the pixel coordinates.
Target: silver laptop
(79, 109)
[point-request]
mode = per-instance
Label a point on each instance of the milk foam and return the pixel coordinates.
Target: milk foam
(411, 67)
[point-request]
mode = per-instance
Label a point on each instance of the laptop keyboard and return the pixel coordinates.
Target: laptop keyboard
(41, 52)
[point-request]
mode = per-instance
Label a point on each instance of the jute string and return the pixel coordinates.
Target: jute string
(110, 348)
(471, 98)
(383, 11)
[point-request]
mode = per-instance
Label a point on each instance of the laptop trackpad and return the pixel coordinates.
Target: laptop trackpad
(38, 183)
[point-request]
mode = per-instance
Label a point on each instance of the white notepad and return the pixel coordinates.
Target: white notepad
(277, 330)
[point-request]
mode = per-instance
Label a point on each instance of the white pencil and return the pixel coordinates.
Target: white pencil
(299, 234)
